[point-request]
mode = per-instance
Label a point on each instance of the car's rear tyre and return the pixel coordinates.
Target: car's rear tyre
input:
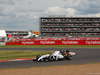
(69, 57)
(67, 50)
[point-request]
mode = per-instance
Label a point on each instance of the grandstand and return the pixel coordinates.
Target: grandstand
(70, 26)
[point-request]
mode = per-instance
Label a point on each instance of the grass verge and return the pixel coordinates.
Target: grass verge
(9, 55)
(51, 46)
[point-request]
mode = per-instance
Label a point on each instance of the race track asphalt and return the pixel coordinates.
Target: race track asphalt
(83, 56)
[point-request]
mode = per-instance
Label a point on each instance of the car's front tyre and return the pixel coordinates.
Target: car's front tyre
(37, 57)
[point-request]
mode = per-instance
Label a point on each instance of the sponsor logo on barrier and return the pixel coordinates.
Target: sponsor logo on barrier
(69, 42)
(47, 42)
(92, 42)
(53, 42)
(27, 42)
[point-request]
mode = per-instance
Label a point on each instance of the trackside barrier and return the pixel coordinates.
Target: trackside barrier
(56, 42)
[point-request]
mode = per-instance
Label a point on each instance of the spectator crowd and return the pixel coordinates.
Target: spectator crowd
(71, 29)
(69, 19)
(70, 24)
(71, 34)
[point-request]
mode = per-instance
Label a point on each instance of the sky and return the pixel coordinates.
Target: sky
(25, 14)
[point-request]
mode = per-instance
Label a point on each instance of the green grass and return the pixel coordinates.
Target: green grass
(9, 54)
(51, 46)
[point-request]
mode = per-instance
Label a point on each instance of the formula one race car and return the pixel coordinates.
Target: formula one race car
(56, 55)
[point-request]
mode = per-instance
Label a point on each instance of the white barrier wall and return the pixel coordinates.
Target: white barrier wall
(3, 37)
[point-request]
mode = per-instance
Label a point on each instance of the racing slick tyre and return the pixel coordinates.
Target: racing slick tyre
(67, 51)
(37, 57)
(50, 58)
(69, 57)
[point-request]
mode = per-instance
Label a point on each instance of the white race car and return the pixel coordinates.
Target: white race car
(56, 55)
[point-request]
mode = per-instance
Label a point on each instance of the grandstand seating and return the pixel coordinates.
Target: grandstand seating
(70, 26)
